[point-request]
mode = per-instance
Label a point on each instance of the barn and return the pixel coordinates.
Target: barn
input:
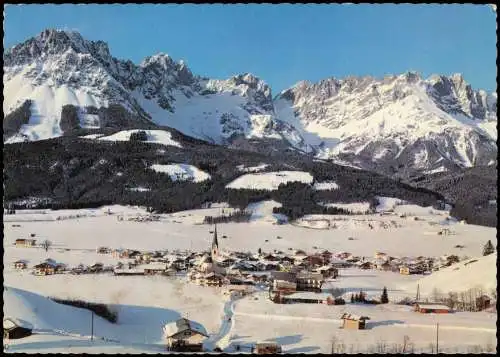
(184, 335)
(353, 322)
(14, 328)
(427, 308)
(308, 297)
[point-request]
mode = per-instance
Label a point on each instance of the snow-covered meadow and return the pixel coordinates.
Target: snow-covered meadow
(145, 303)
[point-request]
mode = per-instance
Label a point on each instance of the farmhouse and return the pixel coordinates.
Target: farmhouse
(154, 269)
(184, 335)
(44, 269)
(267, 348)
(103, 250)
(14, 328)
(328, 271)
(308, 298)
(425, 308)
(25, 243)
(353, 322)
(483, 302)
(21, 264)
(307, 281)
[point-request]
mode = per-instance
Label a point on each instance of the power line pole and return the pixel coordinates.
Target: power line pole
(92, 327)
(437, 338)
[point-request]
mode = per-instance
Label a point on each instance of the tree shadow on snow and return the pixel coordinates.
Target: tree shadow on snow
(373, 324)
(302, 349)
(286, 340)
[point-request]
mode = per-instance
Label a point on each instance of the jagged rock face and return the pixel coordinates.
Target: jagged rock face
(400, 123)
(57, 68)
(396, 122)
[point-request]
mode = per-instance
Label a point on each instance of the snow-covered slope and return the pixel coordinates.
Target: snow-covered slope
(269, 180)
(153, 136)
(472, 273)
(182, 172)
(401, 123)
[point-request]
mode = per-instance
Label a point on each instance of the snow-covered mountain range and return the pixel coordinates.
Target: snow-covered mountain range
(397, 123)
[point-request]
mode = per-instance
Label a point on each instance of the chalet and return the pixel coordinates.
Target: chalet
(405, 270)
(128, 272)
(155, 269)
(103, 250)
(328, 271)
(299, 254)
(146, 257)
(226, 262)
(44, 269)
(284, 286)
(210, 279)
(313, 260)
(380, 255)
(21, 264)
(366, 265)
(184, 335)
(60, 268)
(326, 255)
(14, 328)
(384, 266)
(353, 322)
(483, 302)
(287, 259)
(271, 258)
(266, 348)
(178, 264)
(307, 281)
(426, 308)
(337, 263)
(133, 254)
(25, 243)
(96, 268)
(308, 298)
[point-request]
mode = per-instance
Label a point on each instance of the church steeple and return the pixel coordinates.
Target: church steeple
(215, 245)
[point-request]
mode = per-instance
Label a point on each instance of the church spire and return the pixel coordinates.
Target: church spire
(215, 245)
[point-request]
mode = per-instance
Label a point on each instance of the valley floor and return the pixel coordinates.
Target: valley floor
(145, 304)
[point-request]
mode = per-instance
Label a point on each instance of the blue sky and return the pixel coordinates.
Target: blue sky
(283, 44)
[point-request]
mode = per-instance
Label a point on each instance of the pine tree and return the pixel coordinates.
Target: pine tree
(352, 298)
(384, 299)
(488, 248)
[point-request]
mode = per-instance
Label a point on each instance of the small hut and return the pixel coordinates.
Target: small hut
(21, 264)
(267, 348)
(14, 328)
(184, 335)
(353, 322)
(426, 308)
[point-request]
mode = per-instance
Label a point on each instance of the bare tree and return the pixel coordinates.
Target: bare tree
(46, 244)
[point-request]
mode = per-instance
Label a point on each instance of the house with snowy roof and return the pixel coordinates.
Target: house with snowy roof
(184, 335)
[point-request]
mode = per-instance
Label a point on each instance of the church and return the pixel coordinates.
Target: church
(208, 264)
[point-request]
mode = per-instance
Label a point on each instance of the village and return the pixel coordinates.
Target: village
(293, 277)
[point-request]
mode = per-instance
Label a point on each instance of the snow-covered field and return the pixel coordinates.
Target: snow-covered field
(153, 136)
(182, 230)
(145, 303)
(269, 180)
(182, 172)
(309, 328)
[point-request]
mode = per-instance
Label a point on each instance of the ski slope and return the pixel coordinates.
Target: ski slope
(269, 180)
(182, 172)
